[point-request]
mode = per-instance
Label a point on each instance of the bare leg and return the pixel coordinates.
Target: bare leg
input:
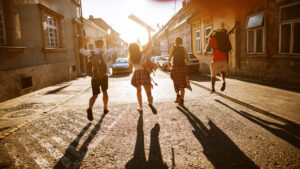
(213, 81)
(139, 96)
(105, 99)
(223, 74)
(182, 91)
(92, 101)
(149, 94)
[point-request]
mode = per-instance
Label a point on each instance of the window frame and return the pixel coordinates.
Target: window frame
(188, 45)
(255, 35)
(198, 38)
(292, 23)
(44, 11)
(53, 27)
(3, 24)
(206, 37)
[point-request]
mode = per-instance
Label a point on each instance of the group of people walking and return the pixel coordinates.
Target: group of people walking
(141, 67)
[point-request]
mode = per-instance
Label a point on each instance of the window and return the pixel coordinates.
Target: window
(26, 82)
(188, 46)
(290, 29)
(2, 26)
(207, 32)
(52, 31)
(255, 34)
(52, 23)
(198, 41)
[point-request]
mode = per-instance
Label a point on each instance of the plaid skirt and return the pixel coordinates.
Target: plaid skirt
(180, 77)
(141, 78)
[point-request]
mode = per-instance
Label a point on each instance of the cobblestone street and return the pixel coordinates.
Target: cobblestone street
(211, 132)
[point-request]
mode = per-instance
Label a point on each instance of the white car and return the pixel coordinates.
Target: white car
(163, 63)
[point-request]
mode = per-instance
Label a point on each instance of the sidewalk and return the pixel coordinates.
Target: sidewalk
(274, 102)
(17, 112)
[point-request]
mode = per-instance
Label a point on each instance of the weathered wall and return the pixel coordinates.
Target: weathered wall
(271, 66)
(42, 76)
(24, 28)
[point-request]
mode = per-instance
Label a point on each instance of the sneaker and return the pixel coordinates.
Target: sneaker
(89, 114)
(153, 109)
(140, 110)
(212, 91)
(105, 111)
(181, 103)
(177, 99)
(223, 86)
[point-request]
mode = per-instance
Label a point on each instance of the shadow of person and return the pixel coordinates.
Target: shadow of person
(287, 132)
(139, 158)
(219, 149)
(76, 156)
(155, 156)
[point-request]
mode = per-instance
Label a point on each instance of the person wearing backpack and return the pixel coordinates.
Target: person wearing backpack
(221, 46)
(98, 69)
(141, 75)
(179, 71)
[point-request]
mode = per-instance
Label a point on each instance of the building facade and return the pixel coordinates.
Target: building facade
(268, 42)
(39, 44)
(177, 26)
(265, 46)
(121, 44)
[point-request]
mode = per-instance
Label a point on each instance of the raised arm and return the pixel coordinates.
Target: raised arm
(112, 50)
(149, 44)
(82, 49)
(208, 46)
(236, 24)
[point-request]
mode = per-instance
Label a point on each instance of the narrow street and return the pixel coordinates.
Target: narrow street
(211, 132)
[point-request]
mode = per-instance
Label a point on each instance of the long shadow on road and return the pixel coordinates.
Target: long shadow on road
(139, 158)
(219, 149)
(287, 132)
(76, 156)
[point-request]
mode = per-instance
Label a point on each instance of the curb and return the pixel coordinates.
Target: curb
(35, 118)
(258, 109)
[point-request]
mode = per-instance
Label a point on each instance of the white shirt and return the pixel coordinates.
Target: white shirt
(140, 66)
(105, 55)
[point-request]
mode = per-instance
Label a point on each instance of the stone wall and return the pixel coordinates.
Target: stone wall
(42, 76)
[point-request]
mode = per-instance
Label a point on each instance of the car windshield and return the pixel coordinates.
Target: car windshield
(122, 60)
(164, 59)
(153, 58)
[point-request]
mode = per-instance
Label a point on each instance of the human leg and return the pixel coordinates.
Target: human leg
(104, 87)
(139, 97)
(149, 94)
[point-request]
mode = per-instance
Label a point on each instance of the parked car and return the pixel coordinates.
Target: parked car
(193, 64)
(156, 62)
(153, 58)
(120, 66)
(163, 63)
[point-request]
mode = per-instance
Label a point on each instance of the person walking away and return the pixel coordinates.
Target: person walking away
(179, 72)
(99, 72)
(141, 77)
(219, 42)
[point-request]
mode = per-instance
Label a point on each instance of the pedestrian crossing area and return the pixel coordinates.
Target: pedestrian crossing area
(62, 139)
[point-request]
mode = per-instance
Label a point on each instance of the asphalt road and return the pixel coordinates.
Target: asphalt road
(211, 132)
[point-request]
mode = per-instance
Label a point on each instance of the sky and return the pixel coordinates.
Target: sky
(115, 13)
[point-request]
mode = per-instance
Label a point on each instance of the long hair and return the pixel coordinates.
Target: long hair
(134, 53)
(178, 41)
